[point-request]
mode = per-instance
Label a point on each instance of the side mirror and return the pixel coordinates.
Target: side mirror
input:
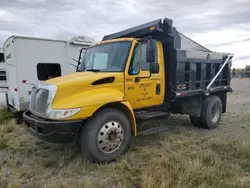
(154, 68)
(150, 51)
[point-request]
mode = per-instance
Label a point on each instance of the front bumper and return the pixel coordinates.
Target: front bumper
(51, 131)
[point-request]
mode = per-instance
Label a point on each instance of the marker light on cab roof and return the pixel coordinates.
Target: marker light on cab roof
(152, 28)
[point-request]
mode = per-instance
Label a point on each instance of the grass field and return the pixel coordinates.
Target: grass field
(185, 156)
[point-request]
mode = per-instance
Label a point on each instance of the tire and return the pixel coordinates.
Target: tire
(196, 121)
(106, 136)
(211, 112)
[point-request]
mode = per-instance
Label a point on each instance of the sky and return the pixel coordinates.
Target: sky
(220, 25)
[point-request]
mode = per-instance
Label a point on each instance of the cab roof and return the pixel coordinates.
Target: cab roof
(114, 40)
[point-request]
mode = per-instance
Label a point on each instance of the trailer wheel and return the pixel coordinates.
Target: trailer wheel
(19, 119)
(211, 112)
(106, 136)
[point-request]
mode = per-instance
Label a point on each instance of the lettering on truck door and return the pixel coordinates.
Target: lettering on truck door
(141, 90)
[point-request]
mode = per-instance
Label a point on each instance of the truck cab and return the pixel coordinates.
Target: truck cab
(131, 76)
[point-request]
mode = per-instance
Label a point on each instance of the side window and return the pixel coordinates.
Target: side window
(47, 71)
(145, 65)
(134, 67)
(139, 52)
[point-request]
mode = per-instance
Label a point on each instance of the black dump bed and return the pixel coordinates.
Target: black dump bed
(190, 68)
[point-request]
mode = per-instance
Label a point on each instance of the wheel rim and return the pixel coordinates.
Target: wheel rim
(110, 137)
(215, 113)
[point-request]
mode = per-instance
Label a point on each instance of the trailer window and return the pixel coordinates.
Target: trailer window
(2, 75)
(1, 57)
(47, 71)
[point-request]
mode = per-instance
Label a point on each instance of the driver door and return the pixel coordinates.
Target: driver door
(142, 90)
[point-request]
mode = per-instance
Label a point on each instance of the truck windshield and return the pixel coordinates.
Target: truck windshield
(109, 57)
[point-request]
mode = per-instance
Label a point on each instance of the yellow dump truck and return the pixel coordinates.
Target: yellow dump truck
(131, 76)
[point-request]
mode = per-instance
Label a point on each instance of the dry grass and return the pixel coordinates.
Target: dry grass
(5, 116)
(183, 157)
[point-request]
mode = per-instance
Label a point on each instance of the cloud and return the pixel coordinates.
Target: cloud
(245, 57)
(202, 21)
(229, 43)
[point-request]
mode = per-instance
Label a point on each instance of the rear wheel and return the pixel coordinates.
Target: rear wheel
(211, 112)
(106, 136)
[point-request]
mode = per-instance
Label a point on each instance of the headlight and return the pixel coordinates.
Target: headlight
(65, 113)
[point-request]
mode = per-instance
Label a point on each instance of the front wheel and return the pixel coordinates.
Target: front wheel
(106, 136)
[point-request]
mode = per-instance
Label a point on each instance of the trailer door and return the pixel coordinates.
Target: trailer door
(11, 73)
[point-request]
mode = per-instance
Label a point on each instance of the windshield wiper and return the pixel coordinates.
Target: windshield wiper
(93, 70)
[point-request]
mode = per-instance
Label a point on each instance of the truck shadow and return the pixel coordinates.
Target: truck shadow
(176, 124)
(63, 154)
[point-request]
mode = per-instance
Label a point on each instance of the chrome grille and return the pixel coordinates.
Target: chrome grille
(39, 98)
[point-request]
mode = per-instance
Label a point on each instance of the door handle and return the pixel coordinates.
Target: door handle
(158, 89)
(137, 79)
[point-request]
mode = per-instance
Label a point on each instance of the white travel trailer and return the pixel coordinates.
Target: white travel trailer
(31, 60)
(3, 83)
